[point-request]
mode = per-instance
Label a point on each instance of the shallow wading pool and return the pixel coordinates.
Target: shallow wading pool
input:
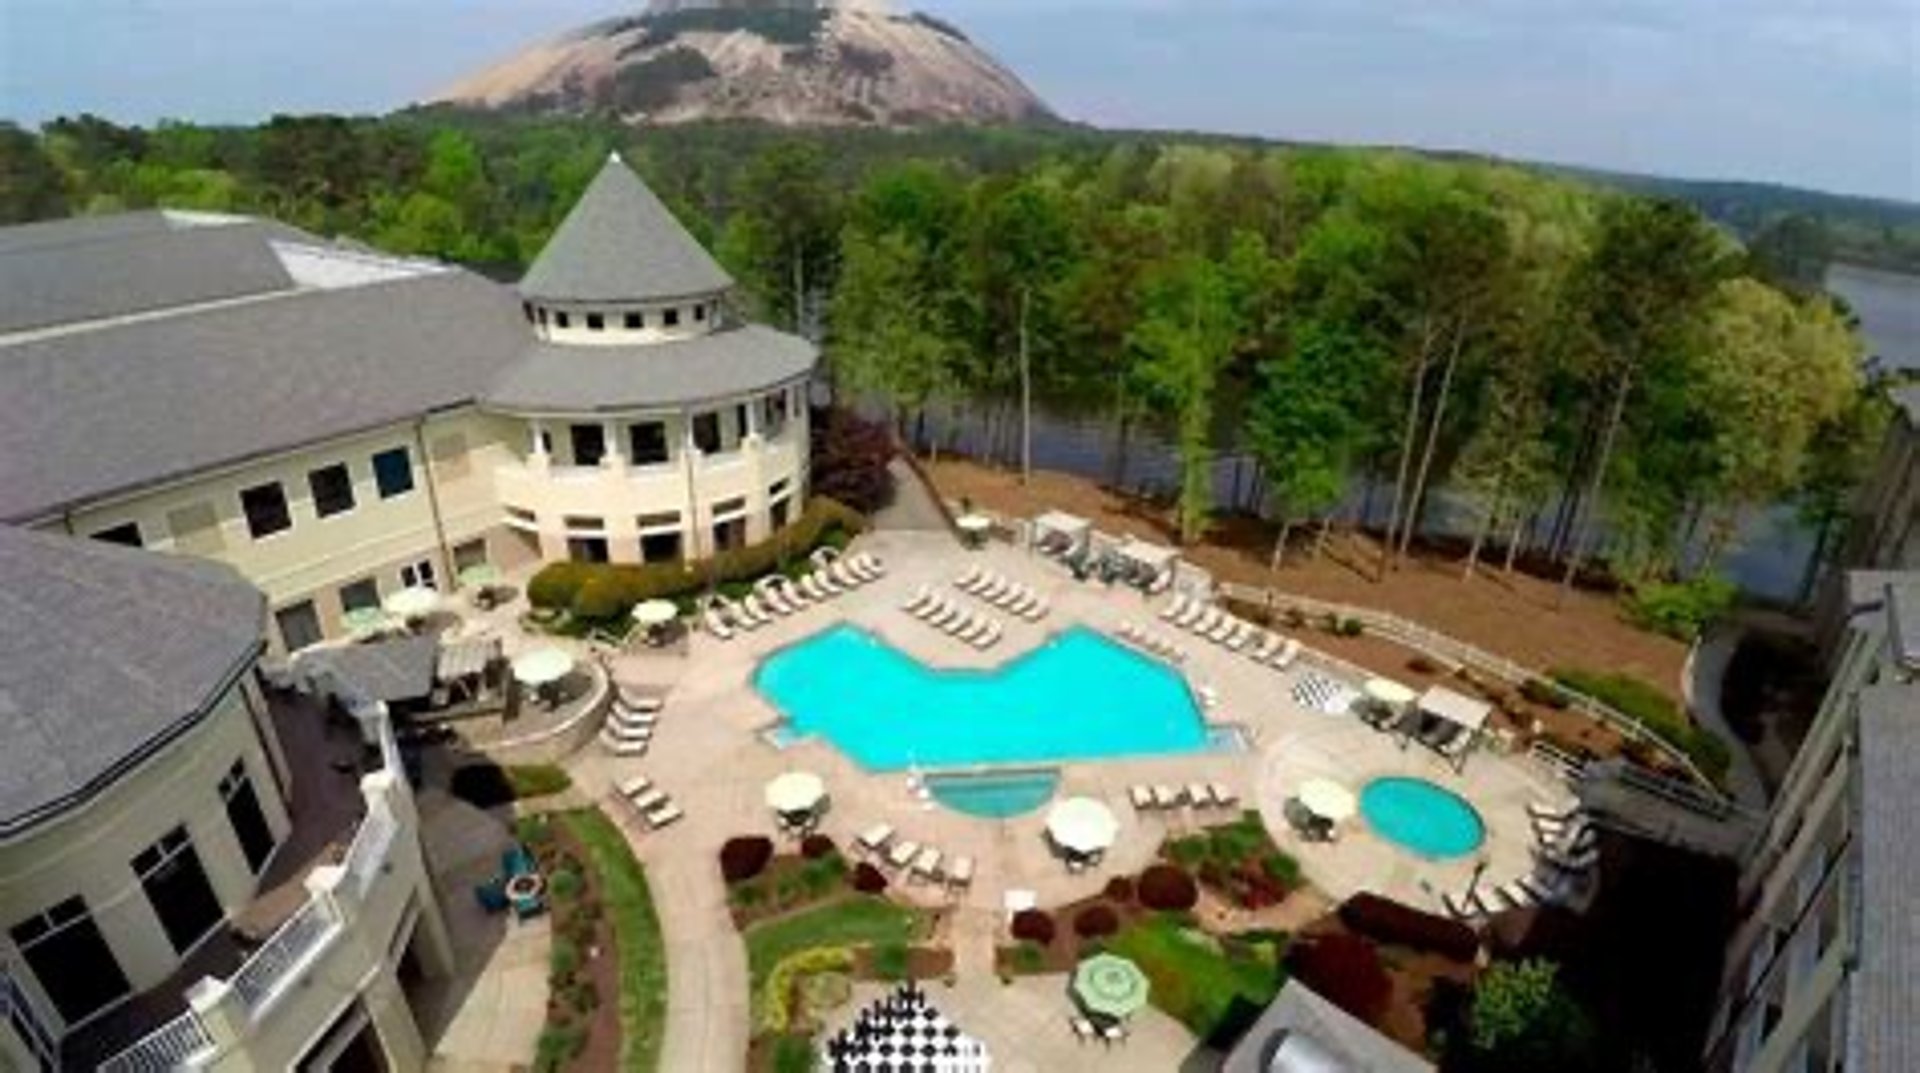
(1423, 817)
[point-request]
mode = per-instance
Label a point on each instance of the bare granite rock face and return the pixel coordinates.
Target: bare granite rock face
(787, 62)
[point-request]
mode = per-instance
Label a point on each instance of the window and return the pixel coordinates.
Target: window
(589, 444)
(585, 523)
(449, 455)
(635, 322)
(362, 593)
(660, 547)
(740, 421)
(596, 322)
(243, 812)
(393, 472)
(522, 516)
(773, 415)
(196, 529)
(527, 309)
(560, 319)
(265, 506)
(332, 490)
(670, 317)
(706, 432)
(730, 535)
(778, 513)
(127, 533)
(587, 549)
(71, 959)
(778, 488)
(543, 317)
(177, 888)
(648, 441)
(419, 575)
(299, 625)
(700, 312)
(666, 519)
(727, 508)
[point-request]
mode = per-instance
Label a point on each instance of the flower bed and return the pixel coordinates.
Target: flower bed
(1239, 861)
(780, 883)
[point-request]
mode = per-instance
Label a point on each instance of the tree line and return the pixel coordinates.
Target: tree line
(1552, 355)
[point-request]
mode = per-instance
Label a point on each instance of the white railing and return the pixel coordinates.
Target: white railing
(367, 855)
(289, 947)
(17, 1009)
(168, 1047)
(1457, 653)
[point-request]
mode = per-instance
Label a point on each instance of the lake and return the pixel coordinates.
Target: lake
(1888, 304)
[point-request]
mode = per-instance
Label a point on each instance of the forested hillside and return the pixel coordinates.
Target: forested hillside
(1548, 351)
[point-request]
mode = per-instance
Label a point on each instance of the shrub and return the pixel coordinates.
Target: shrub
(1388, 921)
(1522, 1019)
(1351, 627)
(1120, 889)
(604, 593)
(867, 879)
(823, 874)
(814, 847)
(1423, 665)
(563, 959)
(781, 987)
(565, 885)
(1034, 926)
(890, 961)
(1680, 609)
(1191, 851)
(1096, 921)
(1346, 971)
(793, 1054)
(557, 1046)
(537, 780)
(1545, 693)
(1655, 712)
(850, 458)
(1281, 868)
(1167, 887)
(745, 857)
(1029, 957)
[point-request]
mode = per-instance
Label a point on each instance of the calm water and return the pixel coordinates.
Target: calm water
(1430, 820)
(994, 796)
(1077, 697)
(1888, 305)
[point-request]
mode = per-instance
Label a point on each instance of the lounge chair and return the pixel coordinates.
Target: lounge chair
(623, 747)
(1197, 795)
(875, 838)
(960, 624)
(811, 588)
(1550, 892)
(1552, 813)
(638, 701)
(664, 815)
(639, 784)
(1038, 610)
(903, 854)
(844, 575)
(988, 636)
(1192, 615)
(772, 598)
(1288, 653)
(1237, 640)
(1513, 895)
(1209, 621)
(755, 606)
(1458, 908)
(1222, 796)
(1175, 607)
(1263, 650)
(870, 563)
(791, 591)
(1571, 862)
(650, 800)
(825, 581)
(1166, 796)
(715, 625)
(920, 598)
(947, 615)
(967, 580)
(1219, 634)
(927, 864)
(1083, 1029)
(961, 874)
(1142, 796)
(631, 723)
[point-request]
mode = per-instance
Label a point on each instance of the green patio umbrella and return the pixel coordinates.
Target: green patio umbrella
(1107, 985)
(365, 620)
(479, 574)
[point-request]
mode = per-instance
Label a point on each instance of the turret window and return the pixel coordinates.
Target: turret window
(589, 444)
(700, 312)
(543, 316)
(671, 317)
(706, 432)
(560, 319)
(635, 322)
(649, 443)
(596, 322)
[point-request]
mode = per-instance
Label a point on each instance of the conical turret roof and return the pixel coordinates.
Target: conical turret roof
(620, 244)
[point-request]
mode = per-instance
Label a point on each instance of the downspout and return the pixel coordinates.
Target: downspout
(433, 502)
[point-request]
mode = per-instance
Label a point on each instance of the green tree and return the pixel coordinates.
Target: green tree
(889, 335)
(1187, 335)
(32, 186)
(1523, 1021)
(783, 234)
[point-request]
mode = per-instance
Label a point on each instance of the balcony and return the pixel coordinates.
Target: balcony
(345, 825)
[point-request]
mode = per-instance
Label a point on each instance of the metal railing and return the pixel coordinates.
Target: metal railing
(1456, 653)
(287, 948)
(170, 1046)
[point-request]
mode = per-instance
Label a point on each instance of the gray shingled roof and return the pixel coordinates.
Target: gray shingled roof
(393, 670)
(570, 379)
(105, 653)
(112, 409)
(1299, 1011)
(620, 244)
(1886, 1026)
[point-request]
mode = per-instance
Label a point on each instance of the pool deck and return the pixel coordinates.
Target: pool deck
(708, 755)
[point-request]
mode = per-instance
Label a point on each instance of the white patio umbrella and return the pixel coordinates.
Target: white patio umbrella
(1328, 799)
(1082, 825)
(651, 613)
(541, 667)
(415, 601)
(796, 791)
(1388, 692)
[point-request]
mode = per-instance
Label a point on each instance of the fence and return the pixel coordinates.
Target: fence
(1456, 653)
(166, 1047)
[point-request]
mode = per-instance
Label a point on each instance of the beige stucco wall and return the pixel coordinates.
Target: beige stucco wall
(613, 330)
(89, 851)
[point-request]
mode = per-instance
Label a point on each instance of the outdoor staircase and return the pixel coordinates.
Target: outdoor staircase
(1670, 811)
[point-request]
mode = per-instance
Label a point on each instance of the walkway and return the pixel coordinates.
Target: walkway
(914, 507)
(1706, 672)
(707, 1011)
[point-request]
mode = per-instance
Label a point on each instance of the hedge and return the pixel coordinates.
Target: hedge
(1388, 921)
(1167, 887)
(744, 857)
(1654, 711)
(606, 592)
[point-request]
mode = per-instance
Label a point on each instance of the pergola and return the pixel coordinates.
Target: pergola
(1058, 527)
(1463, 718)
(1157, 560)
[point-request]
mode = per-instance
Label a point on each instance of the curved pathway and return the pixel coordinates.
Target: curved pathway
(1706, 672)
(707, 1010)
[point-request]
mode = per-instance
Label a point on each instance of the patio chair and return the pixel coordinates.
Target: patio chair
(926, 865)
(1141, 796)
(1514, 895)
(947, 615)
(959, 624)
(918, 600)
(1166, 797)
(517, 860)
(1288, 653)
(871, 562)
(1570, 862)
(791, 593)
(664, 815)
(1267, 645)
(1038, 610)
(812, 589)
(1242, 633)
(623, 747)
(751, 602)
(1209, 621)
(1548, 892)
(1083, 1029)
(844, 576)
(1458, 908)
(875, 838)
(635, 786)
(1552, 814)
(1115, 1032)
(771, 597)
(967, 580)
(715, 626)
(961, 874)
(631, 723)
(492, 894)
(650, 800)
(903, 853)
(988, 637)
(1219, 634)
(1197, 795)
(1196, 608)
(825, 582)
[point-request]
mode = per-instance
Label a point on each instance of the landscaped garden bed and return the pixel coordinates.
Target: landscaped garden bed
(484, 784)
(763, 883)
(607, 999)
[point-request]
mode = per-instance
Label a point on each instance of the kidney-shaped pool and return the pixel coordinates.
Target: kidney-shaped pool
(1079, 696)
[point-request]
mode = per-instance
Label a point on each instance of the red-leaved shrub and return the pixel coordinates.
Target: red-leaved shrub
(1120, 889)
(1167, 886)
(1095, 921)
(814, 847)
(1388, 921)
(867, 879)
(1345, 970)
(1033, 925)
(745, 857)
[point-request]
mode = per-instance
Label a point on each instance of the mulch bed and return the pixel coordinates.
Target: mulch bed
(1415, 975)
(583, 1008)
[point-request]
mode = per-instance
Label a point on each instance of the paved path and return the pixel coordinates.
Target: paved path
(913, 506)
(707, 1010)
(1706, 672)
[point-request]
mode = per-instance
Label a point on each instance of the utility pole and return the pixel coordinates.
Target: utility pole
(1026, 396)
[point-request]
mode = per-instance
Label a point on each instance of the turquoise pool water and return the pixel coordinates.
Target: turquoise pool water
(994, 796)
(1077, 697)
(1428, 819)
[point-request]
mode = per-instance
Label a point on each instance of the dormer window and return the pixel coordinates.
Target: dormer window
(700, 312)
(671, 317)
(635, 322)
(560, 319)
(596, 322)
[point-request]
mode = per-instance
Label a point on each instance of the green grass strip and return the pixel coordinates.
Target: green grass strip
(643, 950)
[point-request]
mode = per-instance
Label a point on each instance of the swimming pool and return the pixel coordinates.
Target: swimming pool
(1079, 696)
(995, 795)
(1421, 816)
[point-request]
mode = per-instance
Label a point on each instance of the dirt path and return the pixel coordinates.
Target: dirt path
(1518, 616)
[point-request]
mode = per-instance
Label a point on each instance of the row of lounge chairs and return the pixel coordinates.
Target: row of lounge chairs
(1009, 596)
(777, 596)
(654, 805)
(919, 863)
(1230, 631)
(630, 724)
(1195, 794)
(1566, 852)
(980, 631)
(1141, 637)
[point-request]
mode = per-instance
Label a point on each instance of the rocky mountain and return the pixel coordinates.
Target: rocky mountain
(789, 62)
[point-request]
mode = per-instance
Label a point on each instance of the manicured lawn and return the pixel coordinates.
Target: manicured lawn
(643, 952)
(854, 921)
(1196, 980)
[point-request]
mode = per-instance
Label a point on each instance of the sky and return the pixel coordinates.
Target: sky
(1818, 93)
